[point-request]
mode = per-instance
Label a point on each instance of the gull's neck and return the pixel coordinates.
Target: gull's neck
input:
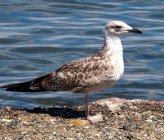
(112, 44)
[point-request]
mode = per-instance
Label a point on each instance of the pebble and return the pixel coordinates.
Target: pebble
(79, 122)
(149, 120)
(6, 120)
(14, 123)
(125, 127)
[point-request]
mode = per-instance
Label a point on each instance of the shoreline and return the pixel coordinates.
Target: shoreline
(123, 119)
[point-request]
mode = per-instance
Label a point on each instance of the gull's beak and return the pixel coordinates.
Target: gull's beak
(134, 30)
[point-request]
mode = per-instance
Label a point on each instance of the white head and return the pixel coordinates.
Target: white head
(119, 27)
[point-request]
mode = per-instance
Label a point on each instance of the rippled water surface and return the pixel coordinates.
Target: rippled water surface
(36, 37)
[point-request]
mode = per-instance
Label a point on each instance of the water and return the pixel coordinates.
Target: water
(36, 37)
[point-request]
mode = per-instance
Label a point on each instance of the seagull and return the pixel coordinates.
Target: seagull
(86, 75)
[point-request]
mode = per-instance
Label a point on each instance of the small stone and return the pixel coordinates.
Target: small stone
(86, 127)
(114, 107)
(97, 135)
(149, 120)
(79, 122)
(51, 137)
(147, 113)
(19, 138)
(6, 120)
(125, 127)
(52, 120)
(24, 122)
(121, 116)
(14, 123)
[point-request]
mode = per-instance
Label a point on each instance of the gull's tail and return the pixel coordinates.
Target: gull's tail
(21, 87)
(29, 86)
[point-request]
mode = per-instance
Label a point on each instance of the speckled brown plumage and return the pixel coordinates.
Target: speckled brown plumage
(78, 76)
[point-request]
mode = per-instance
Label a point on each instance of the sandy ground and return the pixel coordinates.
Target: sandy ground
(123, 120)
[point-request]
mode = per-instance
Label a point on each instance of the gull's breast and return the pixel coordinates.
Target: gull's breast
(118, 67)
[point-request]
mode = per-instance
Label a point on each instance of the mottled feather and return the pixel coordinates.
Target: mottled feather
(78, 76)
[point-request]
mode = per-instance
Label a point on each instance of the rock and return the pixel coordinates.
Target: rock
(6, 120)
(79, 122)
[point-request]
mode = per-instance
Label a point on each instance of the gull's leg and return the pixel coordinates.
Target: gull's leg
(93, 119)
(87, 105)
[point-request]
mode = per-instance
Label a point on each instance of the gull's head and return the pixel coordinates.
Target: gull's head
(119, 27)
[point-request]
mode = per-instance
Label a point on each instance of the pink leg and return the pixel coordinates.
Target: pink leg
(87, 105)
(93, 119)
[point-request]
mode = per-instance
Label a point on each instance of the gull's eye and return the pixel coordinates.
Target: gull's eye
(118, 27)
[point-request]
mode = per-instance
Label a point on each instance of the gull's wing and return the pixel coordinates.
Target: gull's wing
(73, 76)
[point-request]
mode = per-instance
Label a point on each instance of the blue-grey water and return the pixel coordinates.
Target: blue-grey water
(38, 36)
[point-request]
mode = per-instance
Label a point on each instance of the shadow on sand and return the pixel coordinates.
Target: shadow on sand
(65, 112)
